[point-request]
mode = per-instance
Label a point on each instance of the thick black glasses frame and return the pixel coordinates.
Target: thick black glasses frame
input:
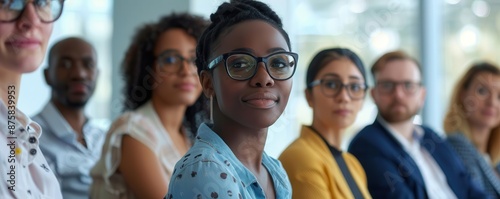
(224, 57)
(342, 86)
(36, 10)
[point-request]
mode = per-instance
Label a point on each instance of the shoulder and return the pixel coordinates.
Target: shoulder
(351, 161)
(300, 149)
(367, 133)
(135, 124)
(273, 164)
(200, 174)
(464, 148)
(130, 119)
(457, 139)
(370, 140)
(38, 118)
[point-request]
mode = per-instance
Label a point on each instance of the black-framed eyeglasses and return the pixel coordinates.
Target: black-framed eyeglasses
(243, 66)
(388, 87)
(47, 10)
(331, 87)
(169, 61)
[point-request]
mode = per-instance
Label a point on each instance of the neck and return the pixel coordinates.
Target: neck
(331, 134)
(480, 137)
(246, 143)
(170, 116)
(9, 86)
(404, 128)
(74, 116)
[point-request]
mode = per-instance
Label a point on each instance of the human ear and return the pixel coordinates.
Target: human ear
(309, 97)
(47, 76)
(207, 83)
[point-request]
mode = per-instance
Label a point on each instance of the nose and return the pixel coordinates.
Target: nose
(343, 95)
(187, 68)
(399, 91)
(493, 99)
(78, 71)
(28, 18)
(261, 77)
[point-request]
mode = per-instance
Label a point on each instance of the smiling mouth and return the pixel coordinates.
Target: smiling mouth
(261, 103)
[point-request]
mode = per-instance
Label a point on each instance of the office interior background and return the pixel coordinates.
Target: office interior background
(447, 36)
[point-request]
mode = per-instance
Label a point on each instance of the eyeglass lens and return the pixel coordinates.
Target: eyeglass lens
(243, 66)
(47, 10)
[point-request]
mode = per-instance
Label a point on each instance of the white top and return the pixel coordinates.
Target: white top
(144, 126)
(68, 158)
(24, 173)
(435, 181)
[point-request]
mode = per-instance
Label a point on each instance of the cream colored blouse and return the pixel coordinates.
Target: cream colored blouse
(144, 125)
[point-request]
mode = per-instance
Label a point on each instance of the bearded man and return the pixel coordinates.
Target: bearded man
(401, 159)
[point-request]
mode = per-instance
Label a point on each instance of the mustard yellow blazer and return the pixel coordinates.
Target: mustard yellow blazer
(314, 173)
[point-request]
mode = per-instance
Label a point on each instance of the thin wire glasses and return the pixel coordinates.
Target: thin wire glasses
(243, 66)
(331, 87)
(47, 10)
(388, 87)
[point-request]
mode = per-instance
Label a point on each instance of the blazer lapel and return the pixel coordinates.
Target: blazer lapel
(489, 173)
(407, 165)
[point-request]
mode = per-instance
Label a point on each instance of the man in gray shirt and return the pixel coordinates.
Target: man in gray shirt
(71, 142)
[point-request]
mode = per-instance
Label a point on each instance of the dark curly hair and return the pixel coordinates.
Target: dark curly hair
(229, 14)
(139, 60)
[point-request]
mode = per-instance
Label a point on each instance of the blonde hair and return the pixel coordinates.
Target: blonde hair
(456, 121)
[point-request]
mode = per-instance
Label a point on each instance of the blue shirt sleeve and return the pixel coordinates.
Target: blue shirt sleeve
(203, 179)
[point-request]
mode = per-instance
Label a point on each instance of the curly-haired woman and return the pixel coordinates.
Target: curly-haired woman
(163, 105)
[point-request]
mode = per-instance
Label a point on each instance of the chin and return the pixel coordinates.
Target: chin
(27, 66)
(187, 100)
(22, 66)
(261, 122)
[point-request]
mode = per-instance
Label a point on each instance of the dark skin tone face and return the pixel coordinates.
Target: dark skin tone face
(72, 72)
(244, 110)
(258, 102)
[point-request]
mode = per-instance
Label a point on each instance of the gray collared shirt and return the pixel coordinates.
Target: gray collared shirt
(69, 159)
(211, 170)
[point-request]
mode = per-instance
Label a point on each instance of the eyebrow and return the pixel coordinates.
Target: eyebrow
(278, 49)
(168, 51)
(249, 50)
(337, 76)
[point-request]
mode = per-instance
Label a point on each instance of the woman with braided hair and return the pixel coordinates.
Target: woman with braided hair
(246, 67)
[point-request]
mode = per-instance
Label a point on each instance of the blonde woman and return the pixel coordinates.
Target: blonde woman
(473, 124)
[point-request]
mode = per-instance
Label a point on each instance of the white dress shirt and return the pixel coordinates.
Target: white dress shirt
(434, 179)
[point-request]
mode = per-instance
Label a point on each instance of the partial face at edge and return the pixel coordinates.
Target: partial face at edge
(23, 43)
(257, 102)
(481, 101)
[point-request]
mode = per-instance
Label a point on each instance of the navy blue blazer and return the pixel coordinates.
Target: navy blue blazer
(392, 173)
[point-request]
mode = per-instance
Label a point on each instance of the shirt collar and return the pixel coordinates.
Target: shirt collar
(56, 122)
(208, 136)
(417, 135)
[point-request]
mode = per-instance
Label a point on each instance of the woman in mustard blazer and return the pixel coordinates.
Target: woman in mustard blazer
(317, 168)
